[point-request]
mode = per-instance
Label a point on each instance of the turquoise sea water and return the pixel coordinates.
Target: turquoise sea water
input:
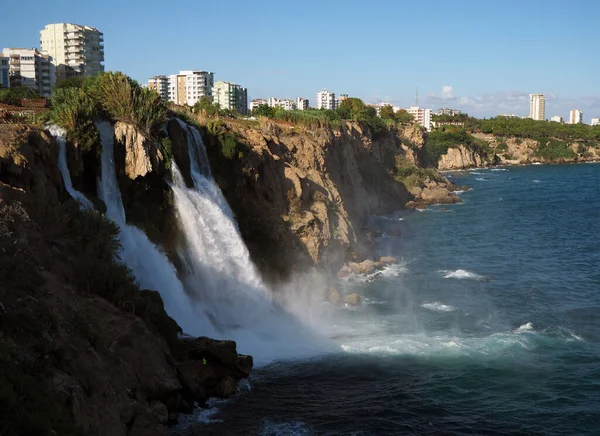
(488, 324)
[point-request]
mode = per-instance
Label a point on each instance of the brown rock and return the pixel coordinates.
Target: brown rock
(333, 296)
(387, 260)
(352, 299)
(226, 388)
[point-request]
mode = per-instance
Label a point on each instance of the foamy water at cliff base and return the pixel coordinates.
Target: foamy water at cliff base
(490, 326)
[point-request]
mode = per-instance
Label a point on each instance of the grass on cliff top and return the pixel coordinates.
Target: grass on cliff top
(112, 95)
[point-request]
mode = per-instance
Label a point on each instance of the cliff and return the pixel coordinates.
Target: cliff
(83, 350)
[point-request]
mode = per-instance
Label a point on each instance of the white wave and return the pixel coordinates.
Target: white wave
(462, 274)
(537, 163)
(436, 306)
(499, 169)
(537, 181)
(476, 173)
(206, 416)
(422, 210)
(481, 179)
(527, 327)
(391, 270)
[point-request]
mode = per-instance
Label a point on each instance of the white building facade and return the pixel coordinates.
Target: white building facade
(75, 50)
(160, 84)
(448, 111)
(326, 100)
(254, 104)
(302, 103)
(557, 119)
(231, 96)
(286, 104)
(421, 116)
(28, 67)
(575, 116)
(537, 107)
(595, 122)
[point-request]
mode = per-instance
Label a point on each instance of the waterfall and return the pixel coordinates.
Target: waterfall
(221, 274)
(150, 266)
(59, 134)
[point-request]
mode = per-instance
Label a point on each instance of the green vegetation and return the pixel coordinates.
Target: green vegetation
(528, 128)
(226, 139)
(206, 106)
(78, 101)
(440, 140)
(553, 149)
(264, 110)
(74, 110)
(13, 96)
(311, 118)
(412, 176)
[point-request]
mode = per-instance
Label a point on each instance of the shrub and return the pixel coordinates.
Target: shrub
(228, 144)
(74, 110)
(553, 149)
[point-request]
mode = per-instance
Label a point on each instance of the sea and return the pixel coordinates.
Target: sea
(488, 323)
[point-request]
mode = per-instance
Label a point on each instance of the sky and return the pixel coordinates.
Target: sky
(481, 56)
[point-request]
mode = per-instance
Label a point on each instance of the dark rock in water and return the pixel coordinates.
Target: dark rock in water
(226, 387)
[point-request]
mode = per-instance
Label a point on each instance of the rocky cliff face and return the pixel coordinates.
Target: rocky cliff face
(302, 197)
(459, 158)
(81, 348)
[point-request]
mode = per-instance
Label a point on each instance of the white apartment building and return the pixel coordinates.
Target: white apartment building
(510, 116)
(254, 104)
(595, 122)
(75, 50)
(160, 84)
(286, 104)
(4, 70)
(576, 116)
(28, 67)
(537, 107)
(421, 116)
(557, 119)
(302, 104)
(230, 96)
(326, 100)
(448, 111)
(188, 87)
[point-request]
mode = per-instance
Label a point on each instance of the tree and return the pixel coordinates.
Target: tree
(264, 110)
(13, 96)
(387, 112)
(350, 108)
(70, 82)
(206, 105)
(403, 117)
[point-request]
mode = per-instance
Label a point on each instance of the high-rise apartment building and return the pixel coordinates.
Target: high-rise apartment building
(557, 119)
(160, 84)
(537, 107)
(302, 104)
(28, 67)
(326, 100)
(448, 111)
(76, 50)
(576, 116)
(595, 122)
(4, 69)
(421, 116)
(230, 96)
(187, 87)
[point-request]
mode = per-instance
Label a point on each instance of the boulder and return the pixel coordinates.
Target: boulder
(333, 296)
(387, 260)
(226, 388)
(352, 299)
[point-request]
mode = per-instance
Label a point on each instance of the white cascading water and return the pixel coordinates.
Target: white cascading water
(59, 134)
(221, 274)
(150, 266)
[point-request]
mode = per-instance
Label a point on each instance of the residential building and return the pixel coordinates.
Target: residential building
(75, 50)
(421, 116)
(302, 104)
(230, 96)
(576, 116)
(595, 122)
(326, 100)
(537, 107)
(285, 104)
(160, 84)
(557, 119)
(28, 67)
(187, 87)
(4, 69)
(448, 111)
(510, 116)
(258, 102)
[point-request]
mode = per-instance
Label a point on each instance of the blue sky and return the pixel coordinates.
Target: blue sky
(481, 56)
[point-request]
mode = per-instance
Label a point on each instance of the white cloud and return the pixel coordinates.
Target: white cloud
(446, 94)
